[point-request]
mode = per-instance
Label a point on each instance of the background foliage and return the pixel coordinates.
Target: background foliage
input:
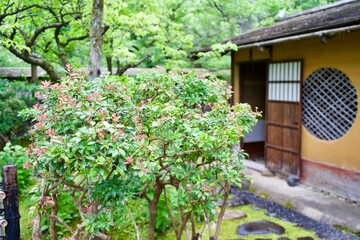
(147, 33)
(14, 97)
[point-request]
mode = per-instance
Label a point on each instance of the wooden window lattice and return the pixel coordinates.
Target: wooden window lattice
(329, 104)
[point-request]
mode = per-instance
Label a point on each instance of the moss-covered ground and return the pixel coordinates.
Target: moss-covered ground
(229, 227)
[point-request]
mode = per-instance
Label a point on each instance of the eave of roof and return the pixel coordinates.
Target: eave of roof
(340, 16)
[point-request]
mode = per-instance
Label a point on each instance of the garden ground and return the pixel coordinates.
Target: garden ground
(311, 202)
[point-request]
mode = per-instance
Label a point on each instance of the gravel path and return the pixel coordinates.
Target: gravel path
(322, 230)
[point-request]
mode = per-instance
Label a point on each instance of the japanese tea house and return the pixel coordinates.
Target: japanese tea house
(303, 73)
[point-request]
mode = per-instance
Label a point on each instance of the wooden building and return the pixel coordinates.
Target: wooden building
(303, 73)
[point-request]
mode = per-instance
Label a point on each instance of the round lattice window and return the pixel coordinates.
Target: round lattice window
(329, 104)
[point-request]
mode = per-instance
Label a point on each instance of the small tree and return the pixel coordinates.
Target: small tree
(154, 136)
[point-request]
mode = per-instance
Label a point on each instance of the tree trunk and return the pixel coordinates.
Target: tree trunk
(96, 38)
(109, 64)
(36, 233)
(54, 212)
(153, 207)
(34, 76)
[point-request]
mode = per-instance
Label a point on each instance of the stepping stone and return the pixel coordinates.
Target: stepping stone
(267, 173)
(234, 214)
(260, 227)
(237, 201)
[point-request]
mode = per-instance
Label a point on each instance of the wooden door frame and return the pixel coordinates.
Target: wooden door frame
(241, 99)
(299, 117)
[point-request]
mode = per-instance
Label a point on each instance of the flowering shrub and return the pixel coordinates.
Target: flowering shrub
(107, 141)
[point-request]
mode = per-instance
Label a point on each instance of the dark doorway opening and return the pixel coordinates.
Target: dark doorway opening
(253, 77)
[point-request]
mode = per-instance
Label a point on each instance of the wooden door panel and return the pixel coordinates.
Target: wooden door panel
(276, 112)
(282, 148)
(283, 115)
(290, 163)
(289, 135)
(274, 157)
(291, 113)
(275, 135)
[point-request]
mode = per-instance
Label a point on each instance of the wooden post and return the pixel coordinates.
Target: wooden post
(11, 202)
(34, 75)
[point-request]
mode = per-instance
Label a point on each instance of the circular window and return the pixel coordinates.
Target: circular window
(329, 104)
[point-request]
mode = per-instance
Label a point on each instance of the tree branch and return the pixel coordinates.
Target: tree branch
(126, 67)
(15, 11)
(62, 222)
(43, 29)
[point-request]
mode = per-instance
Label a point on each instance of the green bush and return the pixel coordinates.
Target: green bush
(17, 155)
(165, 138)
(14, 97)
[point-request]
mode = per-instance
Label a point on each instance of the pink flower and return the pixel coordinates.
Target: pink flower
(139, 127)
(26, 165)
(239, 131)
(72, 102)
(36, 106)
(110, 86)
(45, 84)
(88, 120)
(63, 97)
(145, 170)
(39, 95)
(95, 96)
(42, 117)
(50, 132)
(56, 86)
(38, 125)
(101, 133)
(31, 131)
(135, 118)
(114, 118)
(231, 116)
(28, 151)
(103, 112)
(129, 160)
(138, 137)
(40, 150)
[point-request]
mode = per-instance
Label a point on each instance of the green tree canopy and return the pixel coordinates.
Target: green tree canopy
(149, 32)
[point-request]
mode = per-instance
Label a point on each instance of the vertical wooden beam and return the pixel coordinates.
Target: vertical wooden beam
(232, 80)
(34, 75)
(11, 202)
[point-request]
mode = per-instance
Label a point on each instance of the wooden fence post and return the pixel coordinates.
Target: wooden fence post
(11, 202)
(3, 222)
